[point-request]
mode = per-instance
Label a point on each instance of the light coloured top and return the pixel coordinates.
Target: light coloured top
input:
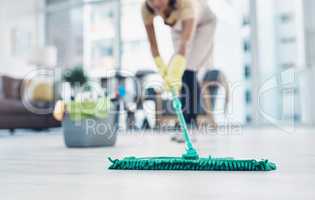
(181, 10)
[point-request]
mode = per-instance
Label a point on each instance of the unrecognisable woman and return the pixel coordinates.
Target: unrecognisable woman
(193, 26)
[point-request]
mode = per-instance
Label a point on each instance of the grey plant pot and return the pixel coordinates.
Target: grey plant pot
(90, 132)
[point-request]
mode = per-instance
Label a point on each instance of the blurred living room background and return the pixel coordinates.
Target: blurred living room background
(266, 49)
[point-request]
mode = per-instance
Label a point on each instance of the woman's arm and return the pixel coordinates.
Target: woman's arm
(152, 40)
(178, 63)
(162, 67)
(188, 28)
(186, 35)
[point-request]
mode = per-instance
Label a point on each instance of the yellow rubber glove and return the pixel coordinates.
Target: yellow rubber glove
(162, 67)
(59, 110)
(175, 72)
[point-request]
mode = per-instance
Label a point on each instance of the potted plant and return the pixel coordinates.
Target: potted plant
(90, 123)
(87, 122)
(77, 78)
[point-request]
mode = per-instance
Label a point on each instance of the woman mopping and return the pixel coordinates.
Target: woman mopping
(193, 26)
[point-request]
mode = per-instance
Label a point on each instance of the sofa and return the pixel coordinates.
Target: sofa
(14, 114)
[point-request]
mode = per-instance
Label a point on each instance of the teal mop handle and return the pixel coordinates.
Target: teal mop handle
(190, 150)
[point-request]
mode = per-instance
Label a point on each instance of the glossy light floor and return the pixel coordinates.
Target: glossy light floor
(38, 166)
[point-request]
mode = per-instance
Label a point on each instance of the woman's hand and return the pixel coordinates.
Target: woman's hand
(162, 67)
(175, 73)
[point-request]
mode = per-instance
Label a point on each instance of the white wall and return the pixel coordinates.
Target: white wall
(228, 56)
(19, 15)
(268, 99)
(309, 16)
(308, 92)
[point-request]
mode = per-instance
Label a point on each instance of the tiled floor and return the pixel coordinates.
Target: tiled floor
(38, 166)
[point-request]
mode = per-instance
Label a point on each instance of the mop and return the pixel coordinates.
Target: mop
(190, 160)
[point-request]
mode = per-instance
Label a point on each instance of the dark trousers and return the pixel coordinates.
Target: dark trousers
(190, 96)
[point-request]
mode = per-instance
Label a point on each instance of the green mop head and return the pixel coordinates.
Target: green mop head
(201, 164)
(190, 160)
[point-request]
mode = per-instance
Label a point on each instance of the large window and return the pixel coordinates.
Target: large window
(64, 28)
(103, 35)
(101, 40)
(134, 43)
(85, 34)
